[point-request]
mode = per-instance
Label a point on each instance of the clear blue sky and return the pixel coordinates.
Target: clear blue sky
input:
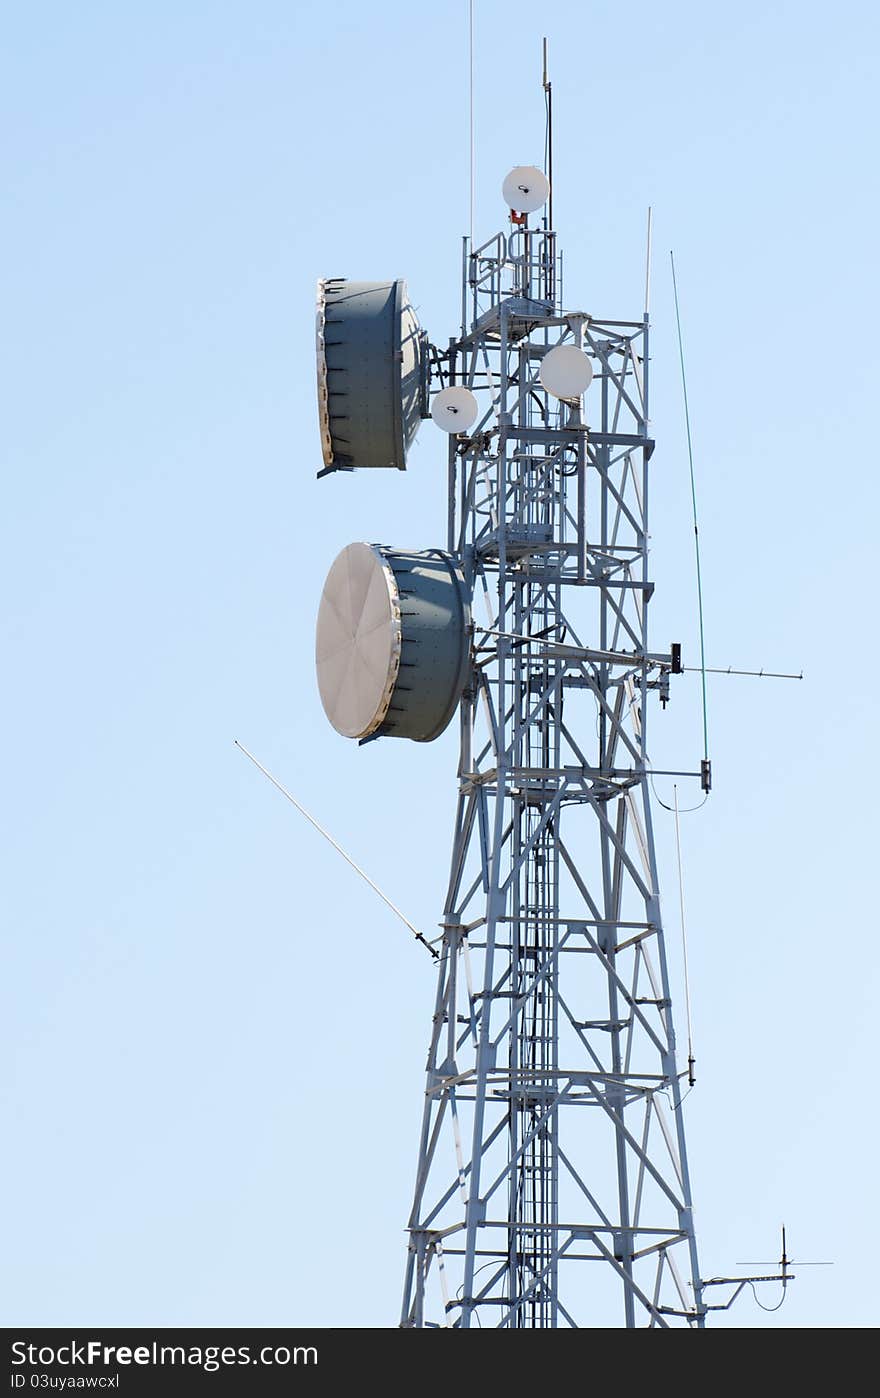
(216, 1035)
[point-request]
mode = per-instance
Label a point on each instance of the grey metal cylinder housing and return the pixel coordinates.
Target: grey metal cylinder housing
(392, 647)
(372, 366)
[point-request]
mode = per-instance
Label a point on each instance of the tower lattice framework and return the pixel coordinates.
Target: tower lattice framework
(552, 1181)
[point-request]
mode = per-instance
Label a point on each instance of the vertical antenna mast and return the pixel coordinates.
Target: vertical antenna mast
(648, 267)
(548, 90)
(471, 116)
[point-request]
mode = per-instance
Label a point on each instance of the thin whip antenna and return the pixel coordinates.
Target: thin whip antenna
(727, 670)
(471, 94)
(548, 89)
(687, 989)
(648, 265)
(687, 419)
(348, 859)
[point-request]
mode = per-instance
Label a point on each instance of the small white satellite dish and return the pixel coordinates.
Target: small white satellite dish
(455, 409)
(525, 189)
(566, 372)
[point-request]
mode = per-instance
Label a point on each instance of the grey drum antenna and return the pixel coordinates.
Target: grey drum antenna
(372, 371)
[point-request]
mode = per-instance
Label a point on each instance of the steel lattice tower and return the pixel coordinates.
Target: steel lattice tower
(552, 1138)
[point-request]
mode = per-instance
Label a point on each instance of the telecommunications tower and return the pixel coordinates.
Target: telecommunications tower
(551, 1183)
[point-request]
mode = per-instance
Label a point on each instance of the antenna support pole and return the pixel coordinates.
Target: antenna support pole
(548, 90)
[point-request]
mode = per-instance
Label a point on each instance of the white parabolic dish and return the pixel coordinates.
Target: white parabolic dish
(358, 639)
(566, 371)
(525, 189)
(455, 409)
